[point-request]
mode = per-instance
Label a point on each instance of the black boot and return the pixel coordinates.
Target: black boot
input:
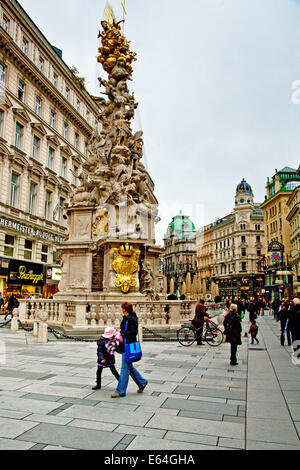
(97, 387)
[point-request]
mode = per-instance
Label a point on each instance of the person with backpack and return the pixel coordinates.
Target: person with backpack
(233, 330)
(253, 332)
(11, 305)
(106, 355)
(129, 332)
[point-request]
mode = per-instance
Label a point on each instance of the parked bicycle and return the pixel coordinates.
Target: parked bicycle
(187, 335)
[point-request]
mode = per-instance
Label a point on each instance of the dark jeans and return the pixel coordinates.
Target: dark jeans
(113, 371)
(254, 338)
(199, 333)
(282, 336)
(233, 359)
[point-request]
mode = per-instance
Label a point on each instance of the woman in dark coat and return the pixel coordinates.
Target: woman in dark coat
(130, 335)
(233, 331)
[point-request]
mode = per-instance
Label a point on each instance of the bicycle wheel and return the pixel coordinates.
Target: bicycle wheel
(186, 336)
(213, 336)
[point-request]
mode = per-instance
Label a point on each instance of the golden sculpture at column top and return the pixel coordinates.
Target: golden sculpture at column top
(125, 264)
(115, 47)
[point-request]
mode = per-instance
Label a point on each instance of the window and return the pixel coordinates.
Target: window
(243, 226)
(68, 93)
(1, 121)
(28, 249)
(61, 211)
(52, 119)
(244, 252)
(21, 91)
(5, 24)
(78, 106)
(14, 189)
(36, 147)
(41, 64)
(38, 106)
(45, 251)
(65, 130)
(76, 140)
(64, 167)
(2, 74)
(86, 149)
(88, 116)
(243, 239)
(51, 155)
(9, 245)
(244, 267)
(25, 46)
(257, 227)
(258, 252)
(19, 136)
(32, 198)
(48, 205)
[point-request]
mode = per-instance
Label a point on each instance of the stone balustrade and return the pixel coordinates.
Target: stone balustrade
(98, 315)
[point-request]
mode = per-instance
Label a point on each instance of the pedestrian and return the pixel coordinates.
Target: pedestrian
(233, 330)
(275, 306)
(129, 332)
(252, 311)
(261, 305)
(294, 323)
(240, 307)
(11, 305)
(2, 303)
(284, 323)
(106, 355)
(201, 315)
(253, 332)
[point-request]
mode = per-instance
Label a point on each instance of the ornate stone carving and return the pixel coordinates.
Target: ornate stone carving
(113, 171)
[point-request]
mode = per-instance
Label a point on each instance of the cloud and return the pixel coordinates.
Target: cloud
(214, 86)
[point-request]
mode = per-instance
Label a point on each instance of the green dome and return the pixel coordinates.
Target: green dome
(182, 226)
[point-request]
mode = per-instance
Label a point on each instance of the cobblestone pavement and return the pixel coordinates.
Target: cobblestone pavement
(194, 401)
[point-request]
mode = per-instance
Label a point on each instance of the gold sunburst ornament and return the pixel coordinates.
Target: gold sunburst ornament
(109, 13)
(125, 264)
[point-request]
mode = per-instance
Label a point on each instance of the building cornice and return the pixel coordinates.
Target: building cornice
(34, 32)
(11, 49)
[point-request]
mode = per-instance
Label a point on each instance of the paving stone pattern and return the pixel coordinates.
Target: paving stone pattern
(194, 401)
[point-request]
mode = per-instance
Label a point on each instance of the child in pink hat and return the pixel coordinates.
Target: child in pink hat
(106, 354)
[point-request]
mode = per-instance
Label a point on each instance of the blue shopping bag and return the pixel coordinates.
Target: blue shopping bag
(133, 351)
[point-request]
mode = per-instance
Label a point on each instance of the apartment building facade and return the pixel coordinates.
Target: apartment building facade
(279, 266)
(46, 122)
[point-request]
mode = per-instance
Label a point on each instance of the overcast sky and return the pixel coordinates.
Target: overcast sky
(214, 82)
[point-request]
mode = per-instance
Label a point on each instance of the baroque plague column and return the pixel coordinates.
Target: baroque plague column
(111, 252)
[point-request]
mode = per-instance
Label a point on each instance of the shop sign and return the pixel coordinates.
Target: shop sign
(26, 273)
(284, 273)
(31, 231)
(35, 278)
